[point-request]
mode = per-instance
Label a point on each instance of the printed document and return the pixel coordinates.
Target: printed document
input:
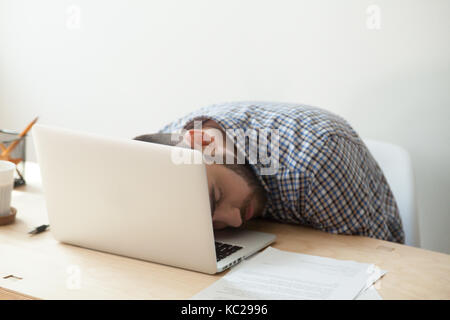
(276, 274)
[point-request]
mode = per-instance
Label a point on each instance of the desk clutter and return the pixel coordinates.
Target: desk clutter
(276, 274)
(13, 148)
(12, 169)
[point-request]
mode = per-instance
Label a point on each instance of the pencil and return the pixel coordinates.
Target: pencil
(21, 135)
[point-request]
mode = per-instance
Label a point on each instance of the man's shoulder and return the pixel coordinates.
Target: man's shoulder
(261, 114)
(302, 129)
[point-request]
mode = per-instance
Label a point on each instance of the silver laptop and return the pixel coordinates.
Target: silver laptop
(129, 198)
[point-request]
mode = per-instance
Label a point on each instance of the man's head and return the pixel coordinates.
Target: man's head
(236, 194)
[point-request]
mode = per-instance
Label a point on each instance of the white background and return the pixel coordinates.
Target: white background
(127, 67)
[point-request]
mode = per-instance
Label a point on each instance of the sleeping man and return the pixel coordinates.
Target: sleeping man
(291, 163)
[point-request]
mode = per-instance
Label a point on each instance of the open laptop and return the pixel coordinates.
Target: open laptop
(129, 198)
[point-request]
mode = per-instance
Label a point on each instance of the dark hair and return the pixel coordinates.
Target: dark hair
(243, 170)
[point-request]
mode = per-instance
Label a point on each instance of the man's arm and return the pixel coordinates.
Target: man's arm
(350, 195)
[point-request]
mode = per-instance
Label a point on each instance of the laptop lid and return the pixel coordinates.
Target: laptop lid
(126, 197)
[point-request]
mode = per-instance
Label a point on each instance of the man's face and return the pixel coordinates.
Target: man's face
(232, 200)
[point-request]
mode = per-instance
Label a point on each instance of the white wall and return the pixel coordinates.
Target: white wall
(134, 65)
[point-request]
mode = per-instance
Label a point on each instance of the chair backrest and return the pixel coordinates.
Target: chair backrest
(396, 165)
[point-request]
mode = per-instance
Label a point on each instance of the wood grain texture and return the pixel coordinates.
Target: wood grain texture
(10, 295)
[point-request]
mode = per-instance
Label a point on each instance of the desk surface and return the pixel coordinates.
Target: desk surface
(40, 267)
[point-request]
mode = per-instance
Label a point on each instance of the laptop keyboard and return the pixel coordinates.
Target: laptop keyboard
(223, 250)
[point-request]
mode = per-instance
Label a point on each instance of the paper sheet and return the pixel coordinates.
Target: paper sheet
(276, 274)
(369, 294)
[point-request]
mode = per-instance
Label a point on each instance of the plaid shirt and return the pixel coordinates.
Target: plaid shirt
(327, 179)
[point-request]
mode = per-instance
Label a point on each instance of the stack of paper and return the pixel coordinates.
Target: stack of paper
(276, 274)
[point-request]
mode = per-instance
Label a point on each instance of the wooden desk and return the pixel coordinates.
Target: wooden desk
(43, 268)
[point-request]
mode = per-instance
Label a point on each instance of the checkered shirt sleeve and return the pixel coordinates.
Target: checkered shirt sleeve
(349, 193)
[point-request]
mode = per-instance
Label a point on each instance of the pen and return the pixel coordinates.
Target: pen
(39, 229)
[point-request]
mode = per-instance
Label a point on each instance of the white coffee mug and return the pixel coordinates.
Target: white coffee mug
(6, 186)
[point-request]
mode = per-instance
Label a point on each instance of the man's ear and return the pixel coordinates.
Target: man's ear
(198, 138)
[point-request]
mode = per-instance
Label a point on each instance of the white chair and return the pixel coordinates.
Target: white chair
(396, 165)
